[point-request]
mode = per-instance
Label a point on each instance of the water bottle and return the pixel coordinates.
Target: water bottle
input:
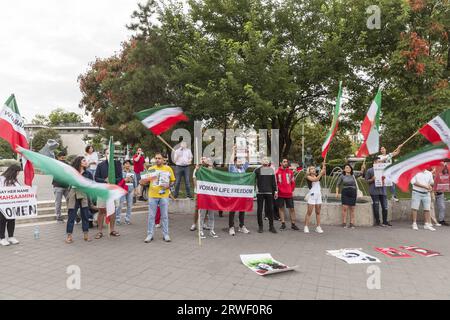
(36, 233)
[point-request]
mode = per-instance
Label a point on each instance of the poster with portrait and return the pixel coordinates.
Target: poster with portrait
(442, 179)
(241, 147)
(264, 264)
(378, 170)
(393, 253)
(421, 251)
(353, 256)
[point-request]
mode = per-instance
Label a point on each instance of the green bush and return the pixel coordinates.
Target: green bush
(8, 162)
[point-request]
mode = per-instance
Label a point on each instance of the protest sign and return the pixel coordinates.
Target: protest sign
(442, 179)
(393, 253)
(421, 251)
(263, 264)
(353, 256)
(378, 170)
(18, 202)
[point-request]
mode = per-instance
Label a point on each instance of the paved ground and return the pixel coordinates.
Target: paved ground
(127, 268)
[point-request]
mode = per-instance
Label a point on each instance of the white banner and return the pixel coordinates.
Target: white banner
(353, 256)
(378, 170)
(18, 202)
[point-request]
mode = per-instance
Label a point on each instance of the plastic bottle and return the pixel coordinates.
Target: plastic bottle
(36, 233)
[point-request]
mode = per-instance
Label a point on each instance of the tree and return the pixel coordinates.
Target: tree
(40, 119)
(59, 116)
(42, 136)
(5, 150)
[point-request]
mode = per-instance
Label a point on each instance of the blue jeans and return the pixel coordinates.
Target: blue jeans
(84, 218)
(377, 201)
(179, 173)
(129, 199)
(164, 207)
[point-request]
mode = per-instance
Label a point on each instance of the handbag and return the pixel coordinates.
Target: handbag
(359, 193)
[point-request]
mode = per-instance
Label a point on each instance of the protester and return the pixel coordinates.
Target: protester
(78, 200)
(387, 158)
(101, 176)
(207, 219)
(314, 196)
(131, 182)
(238, 166)
(138, 167)
(379, 197)
(92, 159)
(60, 190)
(422, 184)
(203, 163)
(160, 180)
(8, 179)
(349, 193)
(440, 201)
(182, 157)
(286, 185)
(266, 194)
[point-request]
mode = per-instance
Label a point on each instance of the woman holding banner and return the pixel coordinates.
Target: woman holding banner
(77, 199)
(8, 179)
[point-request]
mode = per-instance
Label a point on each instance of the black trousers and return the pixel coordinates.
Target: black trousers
(5, 223)
(231, 219)
(378, 200)
(265, 200)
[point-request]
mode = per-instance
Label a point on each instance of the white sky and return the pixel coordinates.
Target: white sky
(45, 45)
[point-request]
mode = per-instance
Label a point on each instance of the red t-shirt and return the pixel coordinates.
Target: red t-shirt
(138, 165)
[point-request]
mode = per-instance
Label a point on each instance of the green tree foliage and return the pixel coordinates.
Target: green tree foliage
(5, 150)
(59, 116)
(42, 136)
(40, 119)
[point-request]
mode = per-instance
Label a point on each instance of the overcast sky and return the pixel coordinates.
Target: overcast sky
(46, 44)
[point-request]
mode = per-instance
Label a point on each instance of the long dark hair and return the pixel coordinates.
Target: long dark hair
(76, 163)
(351, 168)
(11, 174)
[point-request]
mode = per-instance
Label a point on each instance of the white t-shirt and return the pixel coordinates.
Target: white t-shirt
(93, 157)
(386, 158)
(424, 178)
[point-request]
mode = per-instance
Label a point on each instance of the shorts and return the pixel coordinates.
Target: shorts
(101, 204)
(315, 198)
(417, 198)
(289, 202)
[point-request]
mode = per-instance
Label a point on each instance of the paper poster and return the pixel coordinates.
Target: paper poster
(442, 179)
(393, 253)
(353, 256)
(263, 264)
(241, 147)
(421, 251)
(18, 202)
(378, 169)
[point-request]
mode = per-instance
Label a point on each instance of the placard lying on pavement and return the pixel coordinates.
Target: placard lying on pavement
(263, 264)
(353, 256)
(18, 202)
(421, 251)
(393, 253)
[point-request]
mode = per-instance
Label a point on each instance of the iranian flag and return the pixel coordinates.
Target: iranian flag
(13, 131)
(224, 191)
(438, 129)
(370, 129)
(160, 119)
(334, 124)
(408, 166)
(65, 174)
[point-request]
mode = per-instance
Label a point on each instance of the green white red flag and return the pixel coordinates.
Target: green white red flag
(110, 205)
(67, 175)
(160, 119)
(12, 129)
(438, 129)
(408, 166)
(334, 124)
(224, 191)
(370, 129)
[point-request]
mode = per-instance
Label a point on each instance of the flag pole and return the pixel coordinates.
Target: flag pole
(165, 142)
(412, 136)
(198, 210)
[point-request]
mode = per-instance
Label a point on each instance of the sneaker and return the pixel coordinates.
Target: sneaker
(158, 226)
(265, 218)
(387, 224)
(438, 225)
(141, 198)
(382, 225)
(260, 229)
(352, 226)
(319, 229)
(148, 239)
(243, 230)
(429, 227)
(283, 226)
(167, 239)
(231, 231)
(4, 242)
(443, 223)
(202, 235)
(294, 227)
(213, 234)
(128, 223)
(13, 240)
(415, 227)
(193, 227)
(272, 229)
(306, 229)
(205, 227)
(118, 223)
(395, 199)
(344, 225)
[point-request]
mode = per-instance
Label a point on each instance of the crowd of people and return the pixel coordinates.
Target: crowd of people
(155, 181)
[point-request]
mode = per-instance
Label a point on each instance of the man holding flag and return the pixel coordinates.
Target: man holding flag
(108, 171)
(13, 131)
